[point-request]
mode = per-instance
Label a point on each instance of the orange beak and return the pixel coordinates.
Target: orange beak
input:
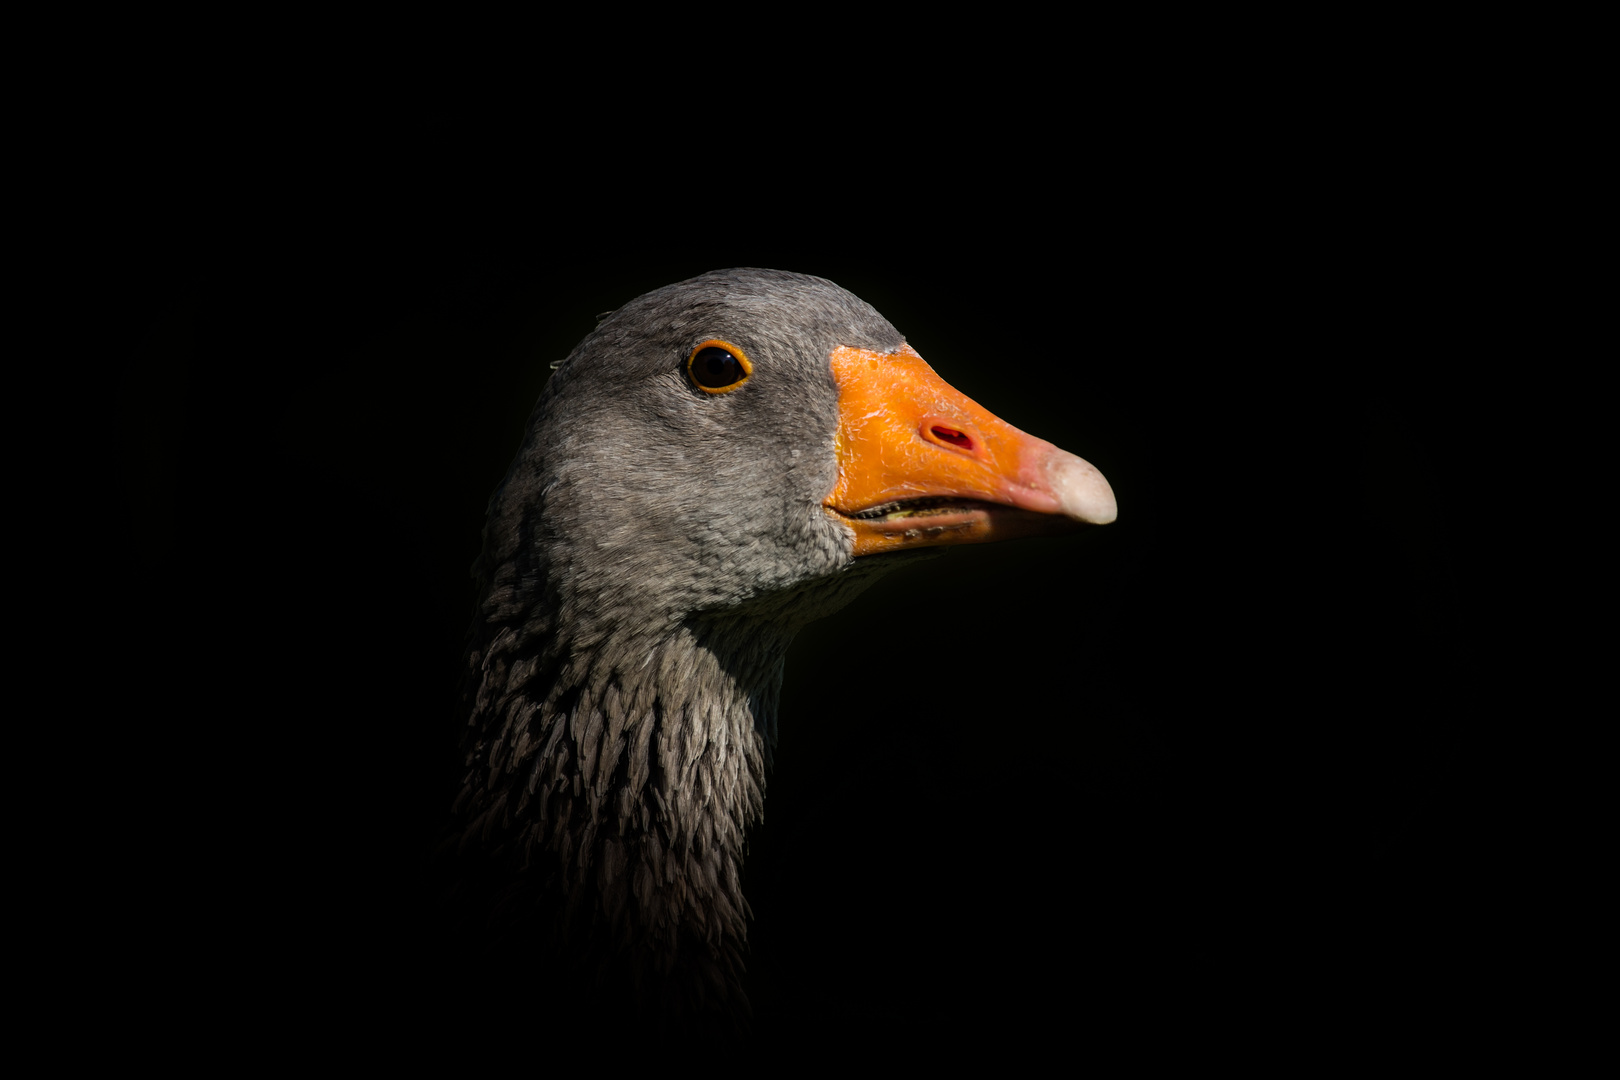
(920, 464)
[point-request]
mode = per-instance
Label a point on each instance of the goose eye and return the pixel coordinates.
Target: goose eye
(718, 366)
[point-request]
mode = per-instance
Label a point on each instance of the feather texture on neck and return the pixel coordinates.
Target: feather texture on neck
(615, 779)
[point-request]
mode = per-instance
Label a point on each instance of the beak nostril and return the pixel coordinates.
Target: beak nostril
(952, 436)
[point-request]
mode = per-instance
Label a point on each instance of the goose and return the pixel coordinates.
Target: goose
(718, 463)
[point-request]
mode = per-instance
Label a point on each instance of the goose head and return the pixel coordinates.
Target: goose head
(717, 463)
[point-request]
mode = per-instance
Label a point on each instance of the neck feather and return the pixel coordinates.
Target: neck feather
(615, 777)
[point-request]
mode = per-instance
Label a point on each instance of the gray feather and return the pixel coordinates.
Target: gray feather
(647, 561)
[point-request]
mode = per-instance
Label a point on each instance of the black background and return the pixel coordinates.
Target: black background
(1219, 765)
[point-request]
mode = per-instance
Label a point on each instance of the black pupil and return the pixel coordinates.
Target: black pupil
(715, 368)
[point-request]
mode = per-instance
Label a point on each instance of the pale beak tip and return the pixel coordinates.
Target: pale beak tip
(1082, 491)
